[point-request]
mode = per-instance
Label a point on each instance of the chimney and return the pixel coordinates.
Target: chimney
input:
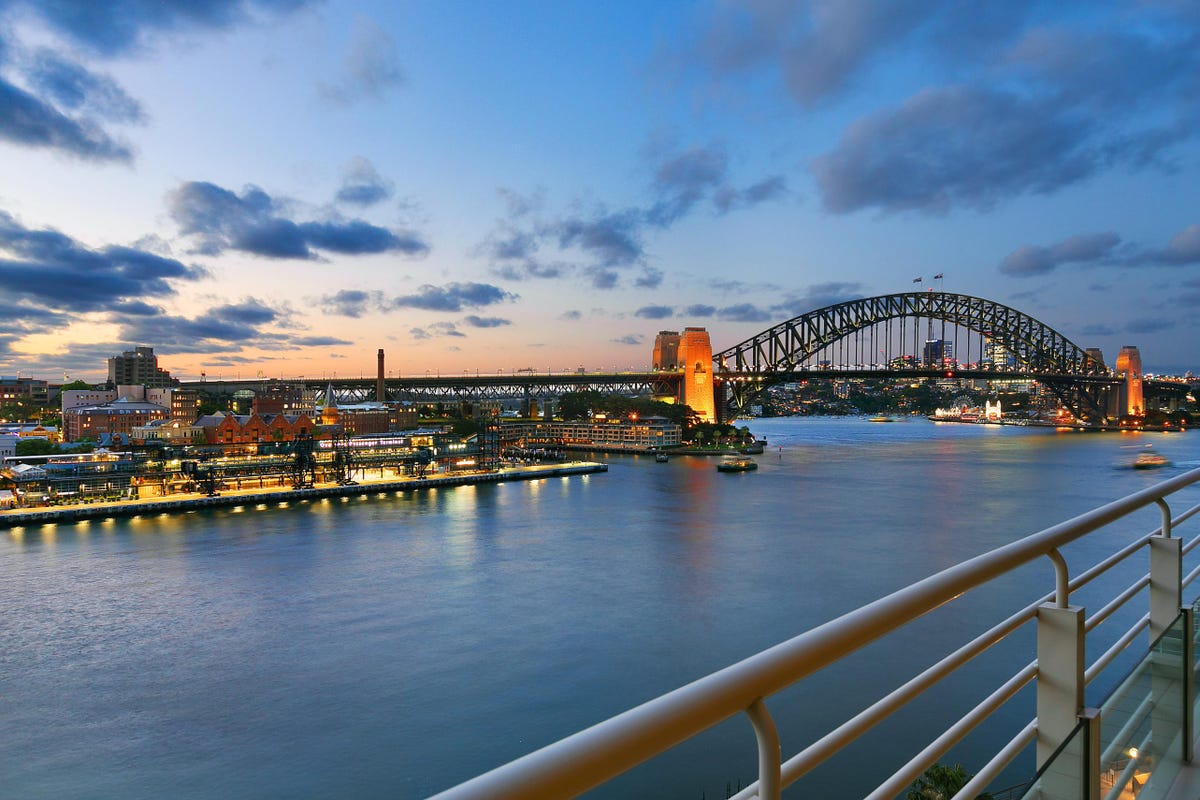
(380, 391)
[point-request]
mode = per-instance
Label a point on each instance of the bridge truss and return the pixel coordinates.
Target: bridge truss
(912, 334)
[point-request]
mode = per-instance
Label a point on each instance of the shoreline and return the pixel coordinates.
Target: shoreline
(18, 518)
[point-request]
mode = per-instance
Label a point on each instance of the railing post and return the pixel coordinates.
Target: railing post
(769, 755)
(1060, 643)
(1166, 578)
(1091, 754)
(1189, 682)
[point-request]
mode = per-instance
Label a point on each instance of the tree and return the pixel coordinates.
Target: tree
(32, 446)
(941, 782)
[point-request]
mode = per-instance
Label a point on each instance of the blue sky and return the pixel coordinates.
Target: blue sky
(285, 186)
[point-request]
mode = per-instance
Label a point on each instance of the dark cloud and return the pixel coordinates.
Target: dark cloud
(52, 269)
(319, 341)
(1037, 260)
(1184, 248)
(654, 312)
(649, 279)
(252, 223)
(817, 47)
(699, 310)
(28, 121)
(486, 322)
(371, 68)
(1149, 325)
(610, 240)
(350, 302)
(1098, 329)
(957, 146)
(453, 297)
(362, 185)
(820, 295)
(72, 86)
(135, 308)
(436, 329)
(631, 338)
(117, 26)
(743, 312)
(603, 278)
(231, 325)
(571, 314)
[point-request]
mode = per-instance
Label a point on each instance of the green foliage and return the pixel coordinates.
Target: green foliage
(582, 405)
(465, 427)
(941, 782)
(36, 447)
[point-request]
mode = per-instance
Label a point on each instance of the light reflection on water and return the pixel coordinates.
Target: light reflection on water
(394, 647)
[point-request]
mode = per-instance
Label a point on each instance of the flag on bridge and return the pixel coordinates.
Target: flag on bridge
(937, 277)
(916, 280)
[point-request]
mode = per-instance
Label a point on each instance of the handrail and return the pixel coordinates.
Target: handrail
(586, 759)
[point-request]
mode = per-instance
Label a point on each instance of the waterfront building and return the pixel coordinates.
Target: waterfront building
(77, 398)
(120, 416)
(8, 445)
(184, 404)
(611, 434)
(171, 432)
(938, 352)
(138, 366)
(226, 429)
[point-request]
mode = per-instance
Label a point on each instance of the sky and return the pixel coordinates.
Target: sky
(282, 187)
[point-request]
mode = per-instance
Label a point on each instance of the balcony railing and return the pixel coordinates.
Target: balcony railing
(1080, 751)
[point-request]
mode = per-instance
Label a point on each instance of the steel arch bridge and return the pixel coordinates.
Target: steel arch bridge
(1038, 351)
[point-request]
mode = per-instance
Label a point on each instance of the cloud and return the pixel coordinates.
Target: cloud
(1099, 329)
(350, 302)
(654, 312)
(1149, 325)
(700, 310)
(72, 86)
(362, 185)
(453, 297)
(571, 315)
(486, 322)
(436, 329)
(743, 312)
(319, 341)
(30, 122)
(1184, 248)
(245, 324)
(252, 223)
(820, 295)
(631, 338)
(53, 270)
(956, 146)
(1036, 260)
(596, 241)
(114, 28)
(371, 68)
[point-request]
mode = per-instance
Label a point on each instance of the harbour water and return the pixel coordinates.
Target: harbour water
(393, 646)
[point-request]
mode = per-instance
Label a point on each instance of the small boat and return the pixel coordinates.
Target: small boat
(736, 463)
(661, 457)
(1150, 460)
(880, 419)
(757, 446)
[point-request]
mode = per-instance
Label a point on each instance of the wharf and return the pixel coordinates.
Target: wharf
(14, 518)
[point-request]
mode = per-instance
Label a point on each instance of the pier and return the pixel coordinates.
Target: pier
(285, 496)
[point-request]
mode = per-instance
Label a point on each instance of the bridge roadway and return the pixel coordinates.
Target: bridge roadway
(468, 388)
(664, 383)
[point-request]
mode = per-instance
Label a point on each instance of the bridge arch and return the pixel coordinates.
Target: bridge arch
(1039, 351)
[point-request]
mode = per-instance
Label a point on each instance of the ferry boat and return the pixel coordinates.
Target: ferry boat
(1148, 459)
(736, 463)
(880, 419)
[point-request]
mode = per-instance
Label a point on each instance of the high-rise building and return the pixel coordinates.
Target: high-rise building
(138, 367)
(996, 354)
(938, 353)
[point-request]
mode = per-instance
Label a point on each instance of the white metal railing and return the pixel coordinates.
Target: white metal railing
(593, 756)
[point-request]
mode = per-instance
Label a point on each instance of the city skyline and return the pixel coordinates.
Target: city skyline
(284, 186)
